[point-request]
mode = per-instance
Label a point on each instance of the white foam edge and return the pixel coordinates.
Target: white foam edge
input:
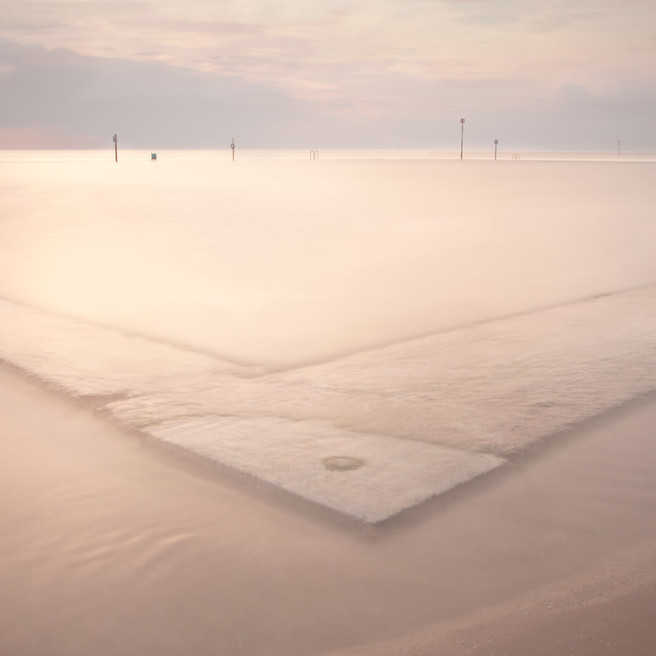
(395, 475)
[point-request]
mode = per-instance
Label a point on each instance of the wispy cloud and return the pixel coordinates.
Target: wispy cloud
(254, 38)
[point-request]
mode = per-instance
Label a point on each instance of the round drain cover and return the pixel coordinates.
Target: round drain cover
(342, 463)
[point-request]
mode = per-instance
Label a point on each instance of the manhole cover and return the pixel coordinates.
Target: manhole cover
(342, 463)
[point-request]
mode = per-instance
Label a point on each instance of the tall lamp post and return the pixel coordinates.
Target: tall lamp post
(462, 135)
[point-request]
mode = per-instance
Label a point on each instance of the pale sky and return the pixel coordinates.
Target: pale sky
(535, 74)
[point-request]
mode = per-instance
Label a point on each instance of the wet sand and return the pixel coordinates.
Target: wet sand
(111, 544)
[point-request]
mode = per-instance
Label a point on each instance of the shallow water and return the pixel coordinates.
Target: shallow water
(459, 312)
(108, 546)
(281, 261)
(473, 305)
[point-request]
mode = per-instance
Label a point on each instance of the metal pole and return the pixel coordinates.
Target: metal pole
(496, 143)
(115, 140)
(232, 146)
(462, 135)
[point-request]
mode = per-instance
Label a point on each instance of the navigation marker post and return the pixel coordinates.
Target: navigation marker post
(232, 146)
(115, 140)
(462, 134)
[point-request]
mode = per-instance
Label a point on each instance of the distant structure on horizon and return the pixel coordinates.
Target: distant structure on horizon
(232, 147)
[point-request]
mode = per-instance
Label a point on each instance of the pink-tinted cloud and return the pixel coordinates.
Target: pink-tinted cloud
(40, 137)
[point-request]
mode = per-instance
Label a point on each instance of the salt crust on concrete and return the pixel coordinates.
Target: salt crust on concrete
(396, 475)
